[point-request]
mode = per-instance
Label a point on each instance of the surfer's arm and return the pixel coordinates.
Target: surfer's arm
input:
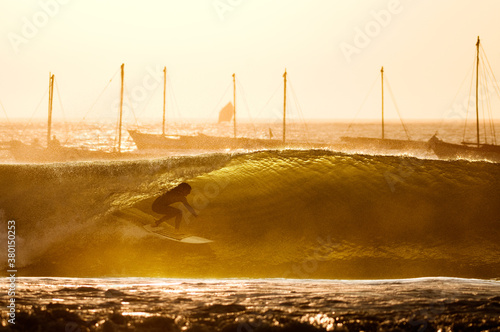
(189, 207)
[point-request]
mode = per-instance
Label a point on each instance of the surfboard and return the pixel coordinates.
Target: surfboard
(164, 231)
(171, 233)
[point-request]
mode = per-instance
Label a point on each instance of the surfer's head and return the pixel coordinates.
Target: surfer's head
(184, 188)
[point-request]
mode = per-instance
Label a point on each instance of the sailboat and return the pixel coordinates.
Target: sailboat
(469, 150)
(383, 143)
(54, 151)
(206, 142)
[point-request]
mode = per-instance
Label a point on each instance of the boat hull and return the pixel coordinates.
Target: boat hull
(145, 141)
(456, 151)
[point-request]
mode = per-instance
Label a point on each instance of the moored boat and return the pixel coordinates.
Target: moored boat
(468, 150)
(446, 150)
(54, 151)
(149, 141)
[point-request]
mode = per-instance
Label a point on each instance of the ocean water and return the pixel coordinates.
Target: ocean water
(303, 240)
(152, 304)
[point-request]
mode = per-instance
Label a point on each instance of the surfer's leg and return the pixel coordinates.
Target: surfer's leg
(168, 213)
(162, 219)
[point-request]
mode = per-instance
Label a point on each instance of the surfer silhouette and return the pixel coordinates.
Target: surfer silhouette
(176, 195)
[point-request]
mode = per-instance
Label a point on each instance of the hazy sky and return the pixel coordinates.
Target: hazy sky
(332, 50)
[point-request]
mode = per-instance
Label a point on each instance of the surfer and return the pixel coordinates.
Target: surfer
(162, 204)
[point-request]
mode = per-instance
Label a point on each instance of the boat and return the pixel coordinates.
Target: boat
(54, 151)
(383, 143)
(468, 150)
(148, 141)
(446, 150)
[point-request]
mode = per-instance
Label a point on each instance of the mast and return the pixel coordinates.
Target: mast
(382, 78)
(51, 97)
(234, 104)
(164, 98)
(477, 90)
(121, 112)
(284, 108)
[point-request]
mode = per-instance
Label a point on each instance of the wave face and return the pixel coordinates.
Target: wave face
(292, 214)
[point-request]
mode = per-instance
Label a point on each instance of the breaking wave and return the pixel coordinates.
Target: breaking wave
(296, 214)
